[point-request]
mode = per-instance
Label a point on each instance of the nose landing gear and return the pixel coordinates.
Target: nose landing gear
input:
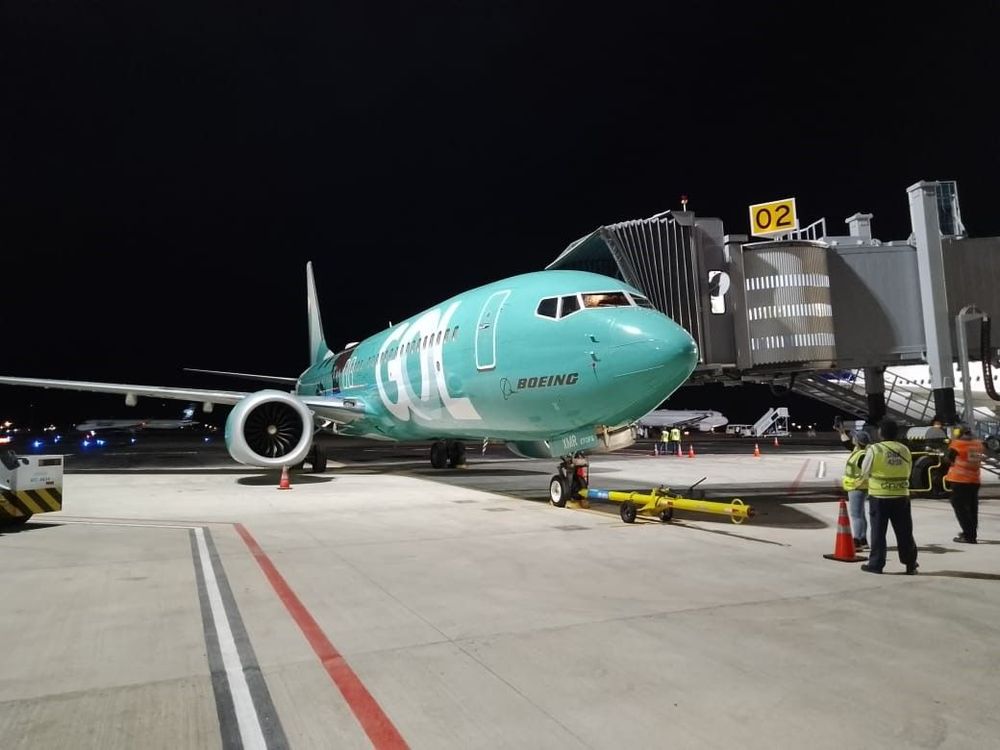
(573, 475)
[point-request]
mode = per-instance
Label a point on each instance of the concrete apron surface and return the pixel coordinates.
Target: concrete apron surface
(388, 610)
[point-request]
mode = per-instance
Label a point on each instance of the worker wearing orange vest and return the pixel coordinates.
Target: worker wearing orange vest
(965, 453)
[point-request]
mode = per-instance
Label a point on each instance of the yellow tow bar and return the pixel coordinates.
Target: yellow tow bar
(662, 504)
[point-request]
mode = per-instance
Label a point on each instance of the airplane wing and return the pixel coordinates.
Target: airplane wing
(334, 409)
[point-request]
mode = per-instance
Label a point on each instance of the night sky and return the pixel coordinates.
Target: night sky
(166, 169)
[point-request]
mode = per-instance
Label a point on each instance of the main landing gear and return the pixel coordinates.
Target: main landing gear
(450, 453)
(316, 458)
(573, 475)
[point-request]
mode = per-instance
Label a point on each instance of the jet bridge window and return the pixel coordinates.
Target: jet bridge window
(548, 308)
(606, 299)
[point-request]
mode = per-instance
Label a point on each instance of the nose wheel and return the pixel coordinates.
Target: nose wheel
(572, 476)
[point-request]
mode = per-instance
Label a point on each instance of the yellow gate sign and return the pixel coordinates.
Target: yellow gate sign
(776, 217)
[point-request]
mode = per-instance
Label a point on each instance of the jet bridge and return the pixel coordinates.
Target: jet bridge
(797, 310)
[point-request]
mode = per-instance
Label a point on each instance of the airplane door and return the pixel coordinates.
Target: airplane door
(486, 331)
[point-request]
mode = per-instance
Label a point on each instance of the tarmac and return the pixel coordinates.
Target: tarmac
(183, 601)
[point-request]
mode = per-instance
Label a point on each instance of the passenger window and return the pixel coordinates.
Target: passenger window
(547, 308)
(439, 337)
(447, 333)
(569, 306)
(455, 334)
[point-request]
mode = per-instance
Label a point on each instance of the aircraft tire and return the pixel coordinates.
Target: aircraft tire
(439, 455)
(666, 515)
(628, 512)
(456, 454)
(318, 459)
(558, 491)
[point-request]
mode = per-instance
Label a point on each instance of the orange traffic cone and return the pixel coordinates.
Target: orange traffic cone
(756, 450)
(679, 451)
(844, 548)
(775, 441)
(690, 450)
(284, 484)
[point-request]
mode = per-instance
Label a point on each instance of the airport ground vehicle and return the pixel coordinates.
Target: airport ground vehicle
(28, 485)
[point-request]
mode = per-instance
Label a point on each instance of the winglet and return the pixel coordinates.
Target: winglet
(317, 342)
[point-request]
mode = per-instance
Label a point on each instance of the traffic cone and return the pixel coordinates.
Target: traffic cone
(679, 451)
(775, 441)
(756, 450)
(844, 548)
(690, 450)
(284, 484)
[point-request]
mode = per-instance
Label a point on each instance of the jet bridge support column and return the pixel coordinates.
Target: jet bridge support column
(875, 393)
(930, 269)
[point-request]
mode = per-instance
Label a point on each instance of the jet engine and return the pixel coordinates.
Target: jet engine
(269, 428)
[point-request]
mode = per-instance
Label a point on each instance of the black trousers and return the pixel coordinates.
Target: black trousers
(894, 510)
(965, 502)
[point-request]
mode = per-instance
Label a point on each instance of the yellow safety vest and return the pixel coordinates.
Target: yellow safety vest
(891, 465)
(852, 472)
(675, 435)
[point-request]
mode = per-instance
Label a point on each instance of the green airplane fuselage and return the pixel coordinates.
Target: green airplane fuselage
(500, 362)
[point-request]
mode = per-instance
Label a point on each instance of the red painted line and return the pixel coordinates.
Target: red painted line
(380, 730)
(794, 486)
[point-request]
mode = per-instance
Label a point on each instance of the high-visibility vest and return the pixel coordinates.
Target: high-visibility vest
(890, 474)
(965, 468)
(664, 436)
(852, 472)
(675, 435)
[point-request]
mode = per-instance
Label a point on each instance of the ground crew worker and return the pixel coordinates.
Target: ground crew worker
(664, 441)
(857, 490)
(965, 454)
(675, 439)
(886, 467)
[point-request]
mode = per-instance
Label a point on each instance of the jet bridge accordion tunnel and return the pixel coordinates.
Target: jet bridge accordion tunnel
(750, 307)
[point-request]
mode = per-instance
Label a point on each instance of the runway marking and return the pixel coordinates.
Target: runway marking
(246, 713)
(377, 725)
(821, 470)
(794, 486)
(250, 732)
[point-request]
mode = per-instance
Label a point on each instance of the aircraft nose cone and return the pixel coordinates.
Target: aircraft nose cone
(657, 360)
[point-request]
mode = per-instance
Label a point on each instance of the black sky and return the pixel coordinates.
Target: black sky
(167, 169)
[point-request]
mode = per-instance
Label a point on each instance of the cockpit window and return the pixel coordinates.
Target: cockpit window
(606, 299)
(640, 300)
(569, 306)
(548, 308)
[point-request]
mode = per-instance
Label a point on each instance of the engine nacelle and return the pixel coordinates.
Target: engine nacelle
(269, 428)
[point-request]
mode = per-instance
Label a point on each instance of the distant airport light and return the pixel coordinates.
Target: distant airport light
(8, 424)
(132, 441)
(100, 442)
(86, 443)
(37, 444)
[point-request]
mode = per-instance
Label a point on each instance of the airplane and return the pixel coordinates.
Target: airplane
(915, 380)
(97, 425)
(705, 420)
(555, 364)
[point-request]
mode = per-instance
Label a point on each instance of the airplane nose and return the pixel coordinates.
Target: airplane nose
(661, 354)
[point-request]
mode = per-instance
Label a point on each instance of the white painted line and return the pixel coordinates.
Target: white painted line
(68, 522)
(246, 714)
(821, 470)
